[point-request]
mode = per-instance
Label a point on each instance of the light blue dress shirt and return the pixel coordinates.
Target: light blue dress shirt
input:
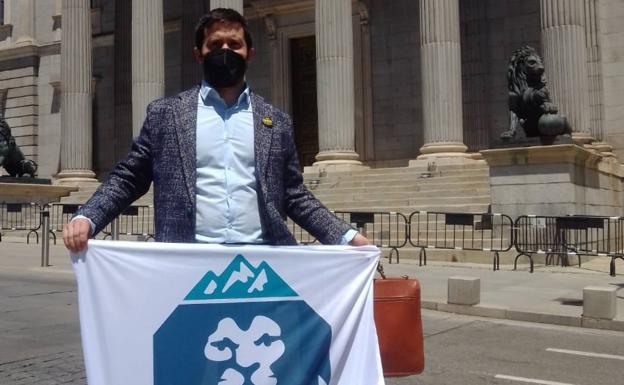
(227, 200)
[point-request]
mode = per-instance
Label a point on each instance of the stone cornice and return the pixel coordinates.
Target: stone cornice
(20, 52)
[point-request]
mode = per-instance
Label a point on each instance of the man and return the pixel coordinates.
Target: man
(223, 161)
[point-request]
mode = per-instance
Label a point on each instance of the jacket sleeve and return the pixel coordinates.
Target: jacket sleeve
(301, 205)
(128, 180)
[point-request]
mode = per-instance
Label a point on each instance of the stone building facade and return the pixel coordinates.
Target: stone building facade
(371, 82)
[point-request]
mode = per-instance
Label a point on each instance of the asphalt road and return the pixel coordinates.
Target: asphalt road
(40, 344)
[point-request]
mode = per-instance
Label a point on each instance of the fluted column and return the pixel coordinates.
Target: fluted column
(148, 57)
(335, 84)
(565, 61)
(440, 52)
(76, 132)
(233, 4)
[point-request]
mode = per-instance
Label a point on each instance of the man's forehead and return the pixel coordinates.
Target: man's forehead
(223, 27)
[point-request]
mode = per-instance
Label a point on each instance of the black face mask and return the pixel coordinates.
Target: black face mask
(224, 68)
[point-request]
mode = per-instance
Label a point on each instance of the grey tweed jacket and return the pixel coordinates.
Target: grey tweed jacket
(164, 153)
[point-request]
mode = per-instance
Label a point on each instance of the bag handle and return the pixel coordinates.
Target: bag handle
(380, 270)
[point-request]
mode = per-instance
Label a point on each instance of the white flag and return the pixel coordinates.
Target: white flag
(193, 314)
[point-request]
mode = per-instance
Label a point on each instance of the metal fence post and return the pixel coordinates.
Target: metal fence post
(115, 229)
(45, 237)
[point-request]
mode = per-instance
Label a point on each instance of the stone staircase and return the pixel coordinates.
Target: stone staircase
(460, 188)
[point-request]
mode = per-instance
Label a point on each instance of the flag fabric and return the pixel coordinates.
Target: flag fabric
(191, 314)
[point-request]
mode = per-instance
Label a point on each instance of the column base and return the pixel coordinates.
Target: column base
(337, 157)
(443, 150)
(75, 178)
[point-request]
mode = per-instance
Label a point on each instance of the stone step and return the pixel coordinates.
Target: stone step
(416, 171)
(397, 180)
(477, 208)
(403, 186)
(369, 204)
(367, 194)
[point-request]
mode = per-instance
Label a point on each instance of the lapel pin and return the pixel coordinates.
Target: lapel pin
(267, 121)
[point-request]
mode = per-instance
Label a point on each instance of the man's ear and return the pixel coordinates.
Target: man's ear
(197, 54)
(251, 55)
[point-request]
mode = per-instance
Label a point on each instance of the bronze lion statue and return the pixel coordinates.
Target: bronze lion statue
(532, 112)
(11, 157)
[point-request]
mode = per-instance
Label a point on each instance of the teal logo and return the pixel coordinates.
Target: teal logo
(241, 280)
(270, 336)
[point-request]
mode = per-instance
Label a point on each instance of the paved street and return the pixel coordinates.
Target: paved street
(40, 343)
(469, 351)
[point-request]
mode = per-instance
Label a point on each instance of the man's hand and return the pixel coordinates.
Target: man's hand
(76, 234)
(359, 240)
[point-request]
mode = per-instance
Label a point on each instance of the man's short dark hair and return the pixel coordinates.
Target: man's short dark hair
(220, 15)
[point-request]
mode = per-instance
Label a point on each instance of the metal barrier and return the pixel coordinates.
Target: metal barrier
(20, 217)
(133, 221)
(383, 229)
(616, 244)
(562, 237)
(460, 231)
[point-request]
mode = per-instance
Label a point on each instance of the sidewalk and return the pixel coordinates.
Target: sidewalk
(551, 294)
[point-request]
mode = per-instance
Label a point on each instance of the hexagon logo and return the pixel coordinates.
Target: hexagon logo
(244, 326)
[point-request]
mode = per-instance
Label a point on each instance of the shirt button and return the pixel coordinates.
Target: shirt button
(230, 226)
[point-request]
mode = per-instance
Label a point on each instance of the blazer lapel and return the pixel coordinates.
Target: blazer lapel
(262, 137)
(186, 130)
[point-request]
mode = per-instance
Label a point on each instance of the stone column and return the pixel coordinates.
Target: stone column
(76, 77)
(335, 83)
(234, 4)
(24, 22)
(148, 58)
(565, 61)
(595, 79)
(441, 79)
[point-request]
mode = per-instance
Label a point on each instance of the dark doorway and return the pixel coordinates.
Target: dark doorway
(303, 91)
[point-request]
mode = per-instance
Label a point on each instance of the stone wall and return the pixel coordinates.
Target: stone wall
(611, 15)
(395, 60)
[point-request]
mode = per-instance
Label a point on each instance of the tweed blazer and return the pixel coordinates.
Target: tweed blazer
(165, 153)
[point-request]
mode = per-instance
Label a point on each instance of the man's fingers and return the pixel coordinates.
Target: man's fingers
(76, 234)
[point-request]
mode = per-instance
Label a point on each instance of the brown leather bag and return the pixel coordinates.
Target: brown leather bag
(399, 325)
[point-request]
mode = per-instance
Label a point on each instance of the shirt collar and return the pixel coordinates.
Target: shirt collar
(210, 96)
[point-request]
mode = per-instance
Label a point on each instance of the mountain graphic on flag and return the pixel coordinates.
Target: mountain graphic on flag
(241, 280)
